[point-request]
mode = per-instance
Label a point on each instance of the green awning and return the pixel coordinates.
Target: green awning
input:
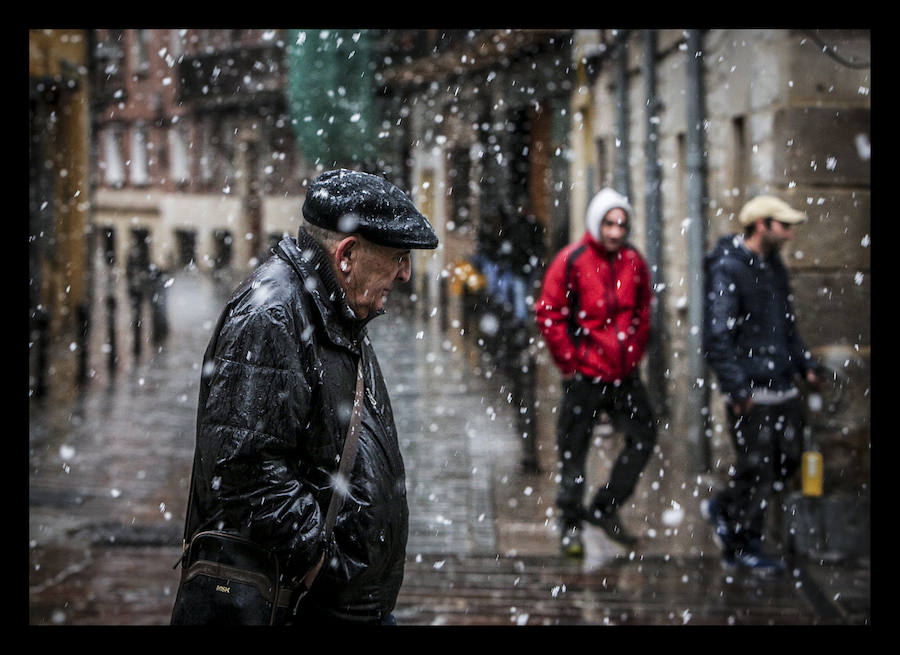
(331, 95)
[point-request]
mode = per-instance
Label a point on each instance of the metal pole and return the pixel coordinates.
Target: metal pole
(698, 398)
(656, 362)
(41, 332)
(82, 312)
(111, 332)
(623, 170)
(526, 380)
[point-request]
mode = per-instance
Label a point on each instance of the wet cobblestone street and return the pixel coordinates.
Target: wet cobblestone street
(108, 478)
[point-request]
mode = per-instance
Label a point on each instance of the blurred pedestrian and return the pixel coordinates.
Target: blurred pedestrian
(159, 281)
(594, 314)
(522, 250)
(147, 284)
(753, 346)
(137, 279)
(276, 395)
(486, 258)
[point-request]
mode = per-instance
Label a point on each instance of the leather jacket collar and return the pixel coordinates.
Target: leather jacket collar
(310, 260)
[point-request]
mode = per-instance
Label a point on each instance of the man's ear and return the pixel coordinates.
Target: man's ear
(345, 254)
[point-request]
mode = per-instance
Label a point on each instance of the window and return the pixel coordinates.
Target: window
(227, 151)
(177, 42)
(138, 169)
(179, 159)
(108, 237)
(206, 156)
(139, 256)
(739, 164)
(186, 244)
(114, 174)
(223, 249)
(140, 50)
(108, 72)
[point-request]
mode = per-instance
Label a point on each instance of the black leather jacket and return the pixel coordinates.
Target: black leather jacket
(276, 395)
(750, 335)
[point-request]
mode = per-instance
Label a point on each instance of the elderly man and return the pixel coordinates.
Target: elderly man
(276, 395)
(753, 346)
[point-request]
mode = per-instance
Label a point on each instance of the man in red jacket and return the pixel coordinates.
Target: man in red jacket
(594, 315)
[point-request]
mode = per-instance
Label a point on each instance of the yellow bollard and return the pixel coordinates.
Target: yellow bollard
(812, 473)
(812, 466)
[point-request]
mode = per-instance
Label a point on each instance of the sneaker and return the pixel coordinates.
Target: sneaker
(609, 522)
(754, 561)
(713, 513)
(570, 543)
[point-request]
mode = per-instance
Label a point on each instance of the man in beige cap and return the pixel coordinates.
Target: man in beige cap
(768, 224)
(752, 345)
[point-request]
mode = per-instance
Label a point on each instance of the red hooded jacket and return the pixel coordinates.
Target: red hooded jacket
(594, 310)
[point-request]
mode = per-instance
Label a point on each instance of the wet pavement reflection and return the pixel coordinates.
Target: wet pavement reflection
(109, 468)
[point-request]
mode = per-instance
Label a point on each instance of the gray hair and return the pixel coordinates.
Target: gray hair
(327, 238)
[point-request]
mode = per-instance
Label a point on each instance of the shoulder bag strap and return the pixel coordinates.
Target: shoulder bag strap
(349, 454)
(288, 593)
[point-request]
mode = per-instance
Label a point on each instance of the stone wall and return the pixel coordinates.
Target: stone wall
(782, 116)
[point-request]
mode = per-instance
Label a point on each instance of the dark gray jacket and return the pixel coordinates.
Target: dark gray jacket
(750, 335)
(276, 395)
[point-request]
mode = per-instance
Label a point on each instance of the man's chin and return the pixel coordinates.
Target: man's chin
(375, 311)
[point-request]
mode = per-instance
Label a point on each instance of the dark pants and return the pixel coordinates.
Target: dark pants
(768, 443)
(629, 408)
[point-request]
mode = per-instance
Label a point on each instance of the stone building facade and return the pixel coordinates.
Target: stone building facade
(197, 162)
(59, 195)
(783, 112)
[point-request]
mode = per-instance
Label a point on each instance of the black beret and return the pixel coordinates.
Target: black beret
(353, 202)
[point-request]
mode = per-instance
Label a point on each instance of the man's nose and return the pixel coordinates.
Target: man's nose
(404, 271)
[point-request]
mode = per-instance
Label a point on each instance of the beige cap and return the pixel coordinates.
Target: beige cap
(769, 206)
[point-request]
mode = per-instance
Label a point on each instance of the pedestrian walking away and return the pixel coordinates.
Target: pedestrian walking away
(277, 394)
(521, 249)
(753, 346)
(594, 315)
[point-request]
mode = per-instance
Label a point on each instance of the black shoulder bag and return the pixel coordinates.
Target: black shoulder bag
(229, 580)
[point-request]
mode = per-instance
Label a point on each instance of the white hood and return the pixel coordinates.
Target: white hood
(605, 200)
